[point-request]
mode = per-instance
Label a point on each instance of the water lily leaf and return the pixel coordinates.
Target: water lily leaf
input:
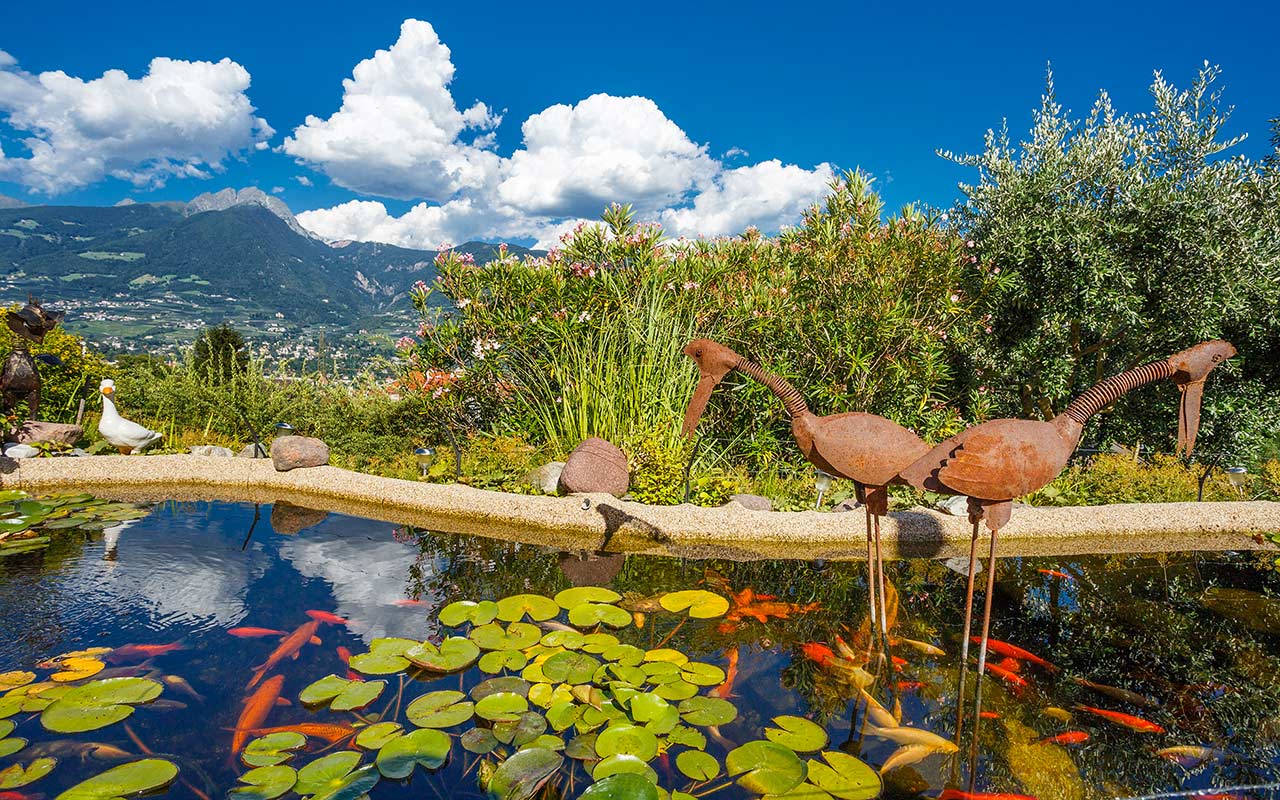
(576, 596)
(631, 740)
(689, 737)
(453, 654)
(628, 655)
(6, 727)
(385, 657)
(497, 660)
(569, 640)
(805, 791)
(845, 777)
(442, 709)
(323, 690)
(707, 711)
(98, 704)
(373, 737)
(797, 733)
(700, 603)
(676, 690)
(598, 642)
(326, 773)
(272, 749)
(505, 683)
(14, 679)
(621, 786)
(697, 765)
(523, 774)
(126, 780)
(701, 674)
(562, 715)
(570, 667)
(591, 614)
(481, 613)
(357, 695)
(479, 741)
(520, 731)
(516, 636)
(645, 707)
(630, 676)
(16, 776)
(545, 695)
(77, 668)
(425, 746)
(265, 783)
(501, 706)
(765, 767)
(534, 606)
(623, 764)
(11, 745)
(582, 747)
(546, 741)
(353, 786)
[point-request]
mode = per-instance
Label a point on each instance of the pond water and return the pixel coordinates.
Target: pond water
(195, 599)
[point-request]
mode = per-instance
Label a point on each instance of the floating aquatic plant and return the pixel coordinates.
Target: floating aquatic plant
(26, 521)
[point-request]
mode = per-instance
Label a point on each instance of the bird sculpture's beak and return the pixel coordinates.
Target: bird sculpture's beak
(1189, 416)
(698, 403)
(107, 390)
(1191, 367)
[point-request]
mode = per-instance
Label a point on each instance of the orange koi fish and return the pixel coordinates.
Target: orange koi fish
(957, 794)
(761, 607)
(1127, 720)
(343, 654)
(325, 616)
(1012, 678)
(988, 715)
(140, 652)
(289, 647)
(1070, 737)
(1123, 695)
(1190, 755)
(818, 653)
(731, 674)
(898, 663)
(408, 603)
(329, 732)
(254, 633)
(256, 709)
(1013, 651)
(909, 686)
(1011, 664)
(1053, 573)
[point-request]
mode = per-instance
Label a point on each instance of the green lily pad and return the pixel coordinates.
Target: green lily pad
(598, 642)
(697, 765)
(425, 746)
(479, 741)
(631, 676)
(442, 709)
(520, 731)
(516, 636)
(265, 783)
(562, 715)
(126, 780)
(628, 655)
(11, 745)
(14, 679)
(701, 674)
(481, 613)
(501, 706)
(803, 791)
(676, 690)
(707, 711)
(385, 657)
(323, 690)
(98, 704)
(15, 776)
(336, 777)
(272, 749)
(765, 767)
(590, 614)
(845, 777)
(570, 667)
(700, 603)
(689, 737)
(576, 596)
(523, 774)
(496, 661)
(623, 764)
(666, 655)
(582, 747)
(534, 606)
(630, 740)
(358, 695)
(797, 733)
(453, 654)
(375, 736)
(505, 683)
(621, 786)
(569, 640)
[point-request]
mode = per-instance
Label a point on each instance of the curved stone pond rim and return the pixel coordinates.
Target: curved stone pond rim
(612, 525)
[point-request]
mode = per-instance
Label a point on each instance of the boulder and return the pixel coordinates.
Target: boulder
(288, 519)
(546, 478)
(596, 466)
(294, 452)
(251, 451)
(591, 569)
(16, 450)
(751, 502)
(211, 450)
(846, 505)
(33, 431)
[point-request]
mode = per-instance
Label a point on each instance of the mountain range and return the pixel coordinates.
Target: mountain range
(149, 276)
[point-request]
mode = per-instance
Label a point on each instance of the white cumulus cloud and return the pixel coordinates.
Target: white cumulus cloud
(183, 118)
(767, 195)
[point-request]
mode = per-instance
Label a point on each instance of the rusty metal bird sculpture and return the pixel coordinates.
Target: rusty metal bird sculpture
(997, 461)
(864, 448)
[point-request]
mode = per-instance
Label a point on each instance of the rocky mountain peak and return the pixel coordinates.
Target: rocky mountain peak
(228, 198)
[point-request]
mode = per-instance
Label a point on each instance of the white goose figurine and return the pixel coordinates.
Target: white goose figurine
(128, 437)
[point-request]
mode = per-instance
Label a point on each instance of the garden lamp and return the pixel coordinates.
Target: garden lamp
(284, 429)
(426, 456)
(1237, 477)
(821, 482)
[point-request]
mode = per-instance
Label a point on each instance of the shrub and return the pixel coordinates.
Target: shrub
(220, 353)
(62, 387)
(1116, 478)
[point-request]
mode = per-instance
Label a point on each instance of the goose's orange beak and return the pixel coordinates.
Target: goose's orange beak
(107, 390)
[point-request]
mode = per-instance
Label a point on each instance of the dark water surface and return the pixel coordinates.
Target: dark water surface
(1198, 634)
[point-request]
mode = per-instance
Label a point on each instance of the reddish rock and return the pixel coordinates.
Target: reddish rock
(288, 519)
(33, 431)
(596, 466)
(292, 452)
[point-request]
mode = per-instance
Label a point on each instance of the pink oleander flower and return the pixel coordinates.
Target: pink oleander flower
(467, 258)
(420, 286)
(405, 343)
(970, 244)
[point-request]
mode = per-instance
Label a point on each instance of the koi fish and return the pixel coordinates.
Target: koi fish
(761, 607)
(1070, 737)
(408, 603)
(898, 663)
(958, 794)
(256, 709)
(923, 647)
(329, 732)
(1060, 714)
(1011, 664)
(325, 616)
(638, 617)
(1190, 755)
(344, 655)
(1127, 720)
(1053, 573)
(13, 796)
(818, 653)
(909, 686)
(725, 689)
(988, 715)
(288, 647)
(913, 736)
(1011, 678)
(1013, 651)
(877, 715)
(254, 633)
(181, 685)
(66, 748)
(141, 652)
(1123, 695)
(908, 754)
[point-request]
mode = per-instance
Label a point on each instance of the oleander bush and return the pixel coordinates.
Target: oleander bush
(62, 386)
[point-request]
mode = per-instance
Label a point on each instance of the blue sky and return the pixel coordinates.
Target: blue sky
(732, 86)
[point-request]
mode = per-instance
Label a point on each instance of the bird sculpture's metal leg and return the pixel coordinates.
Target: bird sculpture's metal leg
(968, 624)
(884, 614)
(996, 515)
(871, 588)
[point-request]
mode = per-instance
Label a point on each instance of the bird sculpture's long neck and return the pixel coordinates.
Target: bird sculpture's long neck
(1107, 391)
(788, 394)
(109, 408)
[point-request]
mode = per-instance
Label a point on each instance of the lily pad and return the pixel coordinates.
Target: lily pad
(765, 767)
(375, 736)
(11, 745)
(481, 613)
(479, 741)
(521, 730)
(385, 657)
(570, 667)
(523, 774)
(845, 777)
(516, 636)
(98, 704)
(628, 655)
(622, 786)
(576, 596)
(598, 642)
(582, 747)
(453, 654)
(15, 776)
(797, 733)
(590, 614)
(323, 690)
(334, 774)
(622, 764)
(562, 715)
(272, 749)
(265, 783)
(77, 668)
(689, 737)
(425, 746)
(700, 603)
(697, 765)
(497, 660)
(676, 690)
(534, 606)
(505, 683)
(569, 640)
(501, 706)
(126, 780)
(630, 740)
(707, 711)
(14, 679)
(701, 674)
(442, 709)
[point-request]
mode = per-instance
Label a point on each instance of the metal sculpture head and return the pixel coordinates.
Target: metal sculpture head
(714, 361)
(1190, 368)
(32, 321)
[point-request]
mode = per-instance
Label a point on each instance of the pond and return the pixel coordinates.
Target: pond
(277, 652)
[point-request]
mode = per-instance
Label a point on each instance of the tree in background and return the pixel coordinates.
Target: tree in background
(1122, 238)
(220, 354)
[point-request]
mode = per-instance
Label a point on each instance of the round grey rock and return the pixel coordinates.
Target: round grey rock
(546, 478)
(297, 452)
(751, 502)
(211, 450)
